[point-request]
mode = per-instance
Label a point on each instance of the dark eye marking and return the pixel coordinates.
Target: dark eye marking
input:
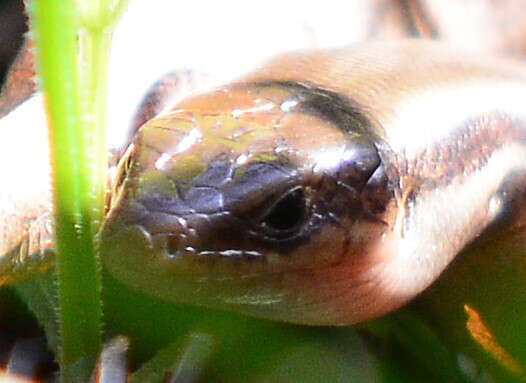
(287, 215)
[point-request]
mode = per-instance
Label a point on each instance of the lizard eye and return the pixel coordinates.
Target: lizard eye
(286, 216)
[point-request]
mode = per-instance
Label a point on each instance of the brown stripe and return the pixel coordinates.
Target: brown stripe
(400, 19)
(462, 153)
(419, 19)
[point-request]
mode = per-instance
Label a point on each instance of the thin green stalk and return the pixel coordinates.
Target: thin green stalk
(55, 28)
(75, 93)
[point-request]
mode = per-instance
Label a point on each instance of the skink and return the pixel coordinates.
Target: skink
(326, 188)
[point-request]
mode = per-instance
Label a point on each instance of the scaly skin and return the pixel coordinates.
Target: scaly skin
(380, 154)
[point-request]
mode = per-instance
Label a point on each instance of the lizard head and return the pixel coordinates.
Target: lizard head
(263, 198)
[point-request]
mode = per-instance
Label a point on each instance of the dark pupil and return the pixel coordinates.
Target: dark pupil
(288, 213)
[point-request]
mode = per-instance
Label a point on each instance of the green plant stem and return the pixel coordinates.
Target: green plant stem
(55, 27)
(75, 94)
